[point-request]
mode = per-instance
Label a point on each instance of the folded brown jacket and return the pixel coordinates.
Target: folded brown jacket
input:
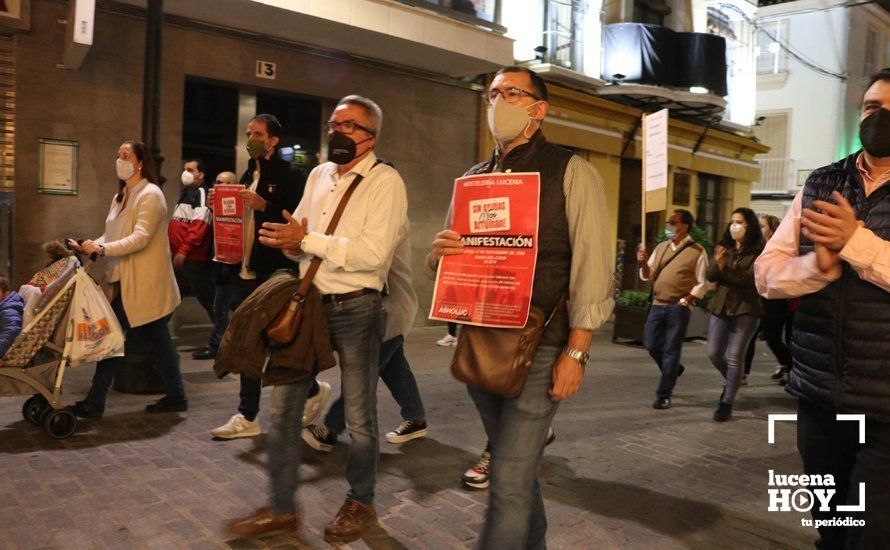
(242, 350)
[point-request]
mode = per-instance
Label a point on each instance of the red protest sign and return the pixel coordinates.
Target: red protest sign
(490, 284)
(228, 220)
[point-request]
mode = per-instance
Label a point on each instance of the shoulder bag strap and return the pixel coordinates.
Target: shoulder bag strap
(672, 258)
(306, 282)
(662, 267)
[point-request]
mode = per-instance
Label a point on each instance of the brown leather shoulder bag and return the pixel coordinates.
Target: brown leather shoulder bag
(497, 360)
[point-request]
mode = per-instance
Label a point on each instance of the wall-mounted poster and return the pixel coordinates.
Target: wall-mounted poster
(58, 167)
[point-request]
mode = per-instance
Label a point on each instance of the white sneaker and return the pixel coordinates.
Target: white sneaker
(477, 476)
(448, 340)
(236, 427)
(314, 405)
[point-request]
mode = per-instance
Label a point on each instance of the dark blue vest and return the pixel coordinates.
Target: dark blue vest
(841, 341)
(554, 260)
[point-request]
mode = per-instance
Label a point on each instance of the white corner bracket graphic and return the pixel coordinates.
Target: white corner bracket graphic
(855, 418)
(854, 507)
(773, 418)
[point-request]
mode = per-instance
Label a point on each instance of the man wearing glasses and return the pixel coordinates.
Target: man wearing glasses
(356, 260)
(574, 260)
(677, 271)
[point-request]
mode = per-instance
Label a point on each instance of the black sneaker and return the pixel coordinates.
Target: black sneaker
(723, 412)
(166, 405)
(408, 430)
(204, 354)
(319, 438)
(84, 409)
(778, 373)
(662, 403)
(477, 476)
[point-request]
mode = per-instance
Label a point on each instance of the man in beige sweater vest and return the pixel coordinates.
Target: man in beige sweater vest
(677, 271)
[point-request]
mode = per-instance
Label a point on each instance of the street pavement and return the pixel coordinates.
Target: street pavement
(619, 475)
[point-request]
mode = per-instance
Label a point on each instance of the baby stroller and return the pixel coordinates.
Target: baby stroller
(73, 324)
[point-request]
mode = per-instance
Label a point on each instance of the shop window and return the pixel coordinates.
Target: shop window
(682, 189)
(710, 205)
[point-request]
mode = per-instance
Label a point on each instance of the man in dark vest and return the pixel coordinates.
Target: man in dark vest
(833, 251)
(574, 259)
(677, 271)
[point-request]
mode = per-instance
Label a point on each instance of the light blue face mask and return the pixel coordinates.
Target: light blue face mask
(669, 231)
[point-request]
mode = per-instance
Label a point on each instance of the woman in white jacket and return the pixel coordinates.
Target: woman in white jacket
(140, 271)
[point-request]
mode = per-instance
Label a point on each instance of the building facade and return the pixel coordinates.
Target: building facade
(814, 59)
(424, 61)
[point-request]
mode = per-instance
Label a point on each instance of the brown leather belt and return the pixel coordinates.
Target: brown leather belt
(334, 298)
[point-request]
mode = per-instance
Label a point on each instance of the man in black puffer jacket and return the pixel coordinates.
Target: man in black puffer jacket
(833, 250)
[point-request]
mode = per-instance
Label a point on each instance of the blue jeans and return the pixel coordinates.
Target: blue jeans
(517, 428)
(396, 374)
(222, 305)
(356, 328)
(286, 413)
(728, 341)
(663, 337)
(157, 335)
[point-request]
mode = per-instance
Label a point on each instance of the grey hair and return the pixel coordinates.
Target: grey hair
(374, 112)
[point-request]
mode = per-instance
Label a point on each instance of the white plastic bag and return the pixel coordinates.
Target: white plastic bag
(97, 332)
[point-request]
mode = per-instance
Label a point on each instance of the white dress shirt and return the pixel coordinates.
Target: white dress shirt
(359, 253)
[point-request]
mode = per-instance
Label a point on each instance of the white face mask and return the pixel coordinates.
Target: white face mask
(737, 231)
(506, 121)
(125, 169)
(187, 178)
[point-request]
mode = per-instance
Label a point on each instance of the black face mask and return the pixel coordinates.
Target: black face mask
(341, 148)
(874, 133)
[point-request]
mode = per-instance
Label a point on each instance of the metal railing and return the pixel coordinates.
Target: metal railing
(776, 176)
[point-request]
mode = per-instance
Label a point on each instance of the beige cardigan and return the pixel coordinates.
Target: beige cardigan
(148, 286)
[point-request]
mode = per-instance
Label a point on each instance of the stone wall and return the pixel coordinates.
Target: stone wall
(430, 128)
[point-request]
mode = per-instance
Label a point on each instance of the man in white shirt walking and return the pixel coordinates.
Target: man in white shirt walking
(356, 260)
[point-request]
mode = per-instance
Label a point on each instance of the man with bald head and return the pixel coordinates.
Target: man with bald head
(221, 276)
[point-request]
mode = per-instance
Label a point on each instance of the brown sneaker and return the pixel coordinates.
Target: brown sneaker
(264, 520)
(350, 521)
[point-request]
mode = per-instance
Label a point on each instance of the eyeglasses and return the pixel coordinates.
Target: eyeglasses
(511, 95)
(345, 127)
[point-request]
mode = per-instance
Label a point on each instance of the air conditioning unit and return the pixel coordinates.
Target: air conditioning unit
(79, 35)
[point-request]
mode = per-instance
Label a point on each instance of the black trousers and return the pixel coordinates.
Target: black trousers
(772, 329)
(828, 446)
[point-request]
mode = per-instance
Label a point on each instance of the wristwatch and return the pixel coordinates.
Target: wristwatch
(303, 243)
(580, 356)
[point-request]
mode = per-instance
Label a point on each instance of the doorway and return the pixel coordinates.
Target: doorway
(215, 115)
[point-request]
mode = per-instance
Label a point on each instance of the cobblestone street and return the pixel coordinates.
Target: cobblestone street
(619, 475)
